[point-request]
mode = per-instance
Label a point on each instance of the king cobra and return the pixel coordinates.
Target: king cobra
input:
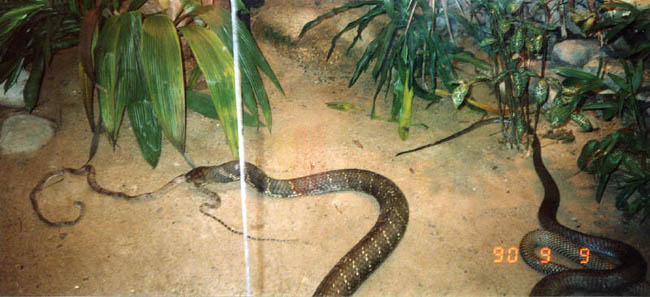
(626, 276)
(351, 270)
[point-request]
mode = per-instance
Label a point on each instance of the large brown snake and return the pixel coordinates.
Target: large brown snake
(351, 270)
(626, 276)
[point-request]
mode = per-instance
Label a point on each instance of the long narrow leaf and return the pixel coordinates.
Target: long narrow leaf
(217, 66)
(163, 70)
(146, 129)
(107, 74)
(33, 85)
(335, 11)
(250, 57)
(87, 89)
(405, 110)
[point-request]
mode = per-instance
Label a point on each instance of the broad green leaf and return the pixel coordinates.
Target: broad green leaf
(130, 80)
(202, 103)
(216, 63)
(163, 70)
(633, 166)
(250, 58)
(518, 40)
(131, 89)
(146, 129)
(459, 93)
(610, 162)
(107, 74)
(587, 153)
(582, 121)
(519, 83)
(540, 92)
(558, 115)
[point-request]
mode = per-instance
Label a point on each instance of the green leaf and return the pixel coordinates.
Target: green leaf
(504, 25)
(558, 115)
(131, 89)
(459, 93)
(33, 85)
(405, 110)
(568, 72)
(107, 74)
(519, 83)
(603, 179)
(487, 41)
(582, 121)
(130, 78)
(633, 166)
(216, 63)
(518, 40)
(250, 57)
(146, 129)
(87, 89)
(343, 106)
(637, 76)
(163, 69)
(202, 103)
(335, 11)
(540, 92)
(619, 81)
(610, 162)
(587, 153)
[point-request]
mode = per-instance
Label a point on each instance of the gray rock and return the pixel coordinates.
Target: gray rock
(575, 52)
(14, 96)
(609, 66)
(24, 133)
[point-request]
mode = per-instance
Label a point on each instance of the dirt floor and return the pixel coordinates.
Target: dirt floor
(466, 197)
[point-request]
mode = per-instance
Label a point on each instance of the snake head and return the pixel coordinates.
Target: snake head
(197, 175)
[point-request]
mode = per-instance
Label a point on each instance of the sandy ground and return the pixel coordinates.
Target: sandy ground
(466, 197)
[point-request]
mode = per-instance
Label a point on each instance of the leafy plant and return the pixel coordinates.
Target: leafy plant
(626, 151)
(620, 19)
(511, 38)
(134, 62)
(30, 32)
(406, 52)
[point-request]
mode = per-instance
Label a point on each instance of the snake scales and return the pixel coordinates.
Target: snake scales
(627, 275)
(351, 270)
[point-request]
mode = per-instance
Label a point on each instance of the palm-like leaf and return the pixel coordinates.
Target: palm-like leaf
(163, 69)
(217, 66)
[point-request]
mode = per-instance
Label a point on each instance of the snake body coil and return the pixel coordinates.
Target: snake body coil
(364, 258)
(630, 269)
(351, 270)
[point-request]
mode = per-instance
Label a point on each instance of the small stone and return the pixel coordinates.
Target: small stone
(575, 52)
(24, 133)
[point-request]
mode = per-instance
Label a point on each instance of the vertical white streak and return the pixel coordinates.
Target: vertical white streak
(240, 137)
